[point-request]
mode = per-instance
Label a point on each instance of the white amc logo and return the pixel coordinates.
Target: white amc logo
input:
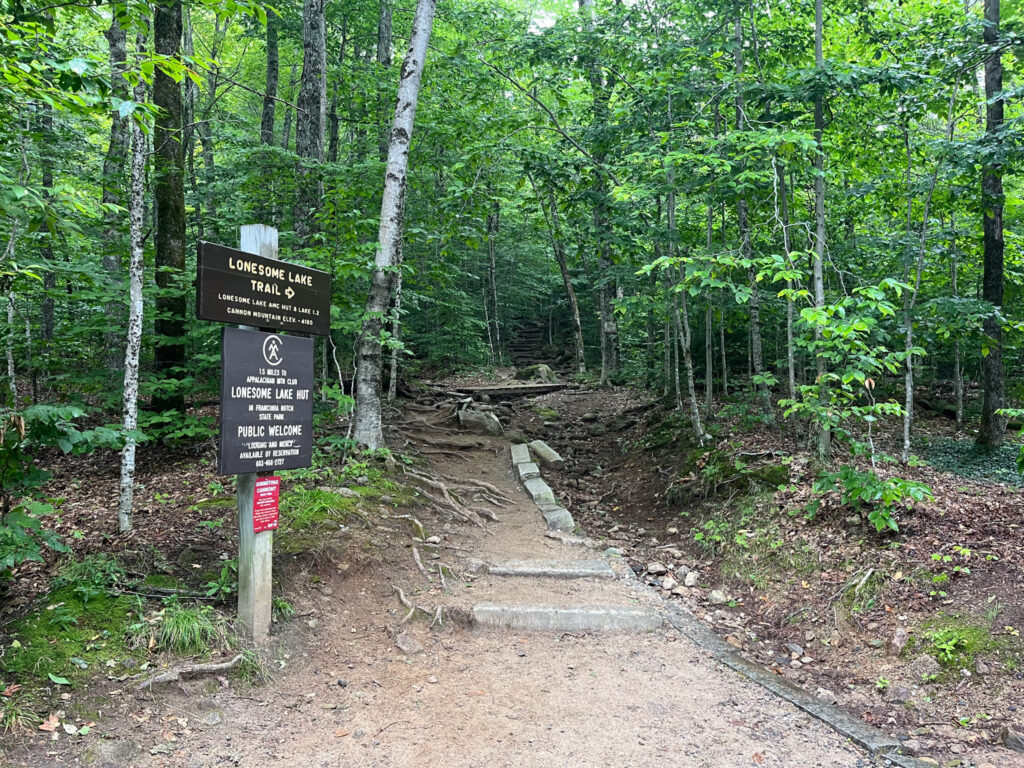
(273, 350)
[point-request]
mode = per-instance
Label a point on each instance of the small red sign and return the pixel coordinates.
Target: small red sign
(264, 503)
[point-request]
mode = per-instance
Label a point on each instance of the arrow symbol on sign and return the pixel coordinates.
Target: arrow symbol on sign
(289, 292)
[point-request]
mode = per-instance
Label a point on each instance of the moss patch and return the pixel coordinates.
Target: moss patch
(67, 633)
(957, 640)
(548, 414)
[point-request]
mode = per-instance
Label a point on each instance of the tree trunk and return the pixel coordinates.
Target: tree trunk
(958, 371)
(333, 127)
(709, 356)
(677, 344)
(554, 232)
(46, 322)
(725, 363)
(396, 337)
(682, 326)
(602, 222)
(824, 434)
(310, 123)
(367, 427)
(493, 323)
(563, 268)
(993, 424)
(169, 205)
(113, 194)
(384, 60)
(136, 206)
(746, 248)
(12, 385)
(787, 246)
(669, 347)
(709, 345)
(286, 132)
(684, 338)
(273, 72)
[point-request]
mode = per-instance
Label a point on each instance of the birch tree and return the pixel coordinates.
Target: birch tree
(367, 429)
(136, 207)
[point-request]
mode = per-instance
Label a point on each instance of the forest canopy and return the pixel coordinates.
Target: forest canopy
(809, 202)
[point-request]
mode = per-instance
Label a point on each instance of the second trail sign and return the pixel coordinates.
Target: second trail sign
(266, 402)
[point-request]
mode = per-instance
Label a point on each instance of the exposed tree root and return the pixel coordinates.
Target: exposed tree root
(456, 454)
(188, 670)
(488, 515)
(445, 501)
(479, 484)
(464, 444)
(419, 562)
(436, 614)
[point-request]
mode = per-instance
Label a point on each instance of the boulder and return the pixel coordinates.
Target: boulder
(480, 421)
(825, 696)
(924, 667)
(1012, 739)
(539, 372)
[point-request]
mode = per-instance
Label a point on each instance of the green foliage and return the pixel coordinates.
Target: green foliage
(957, 643)
(303, 508)
(281, 610)
(968, 459)
(226, 584)
(881, 497)
(189, 630)
(23, 435)
(176, 428)
(752, 545)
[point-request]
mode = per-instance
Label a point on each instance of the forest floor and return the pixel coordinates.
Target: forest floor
(347, 681)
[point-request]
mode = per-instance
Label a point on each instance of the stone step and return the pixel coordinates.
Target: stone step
(548, 618)
(557, 517)
(539, 491)
(554, 569)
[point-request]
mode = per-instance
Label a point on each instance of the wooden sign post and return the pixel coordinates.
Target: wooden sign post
(255, 550)
(266, 406)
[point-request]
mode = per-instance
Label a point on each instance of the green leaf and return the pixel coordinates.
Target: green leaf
(58, 680)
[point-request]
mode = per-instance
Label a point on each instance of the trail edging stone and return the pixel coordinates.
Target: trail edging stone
(548, 456)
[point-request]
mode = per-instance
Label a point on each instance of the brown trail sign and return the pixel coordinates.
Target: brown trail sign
(238, 287)
(266, 409)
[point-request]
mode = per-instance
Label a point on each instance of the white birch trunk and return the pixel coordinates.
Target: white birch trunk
(367, 427)
(725, 363)
(10, 349)
(396, 335)
(824, 434)
(136, 206)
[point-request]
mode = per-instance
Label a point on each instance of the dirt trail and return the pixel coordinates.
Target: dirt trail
(348, 696)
